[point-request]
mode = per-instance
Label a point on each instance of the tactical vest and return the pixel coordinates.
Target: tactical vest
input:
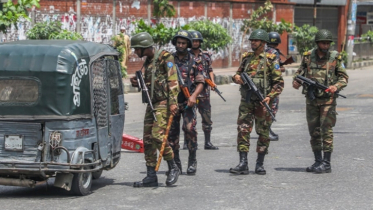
(160, 92)
(257, 74)
(324, 73)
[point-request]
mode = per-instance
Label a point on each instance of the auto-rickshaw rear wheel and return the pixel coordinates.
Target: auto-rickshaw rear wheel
(81, 184)
(97, 174)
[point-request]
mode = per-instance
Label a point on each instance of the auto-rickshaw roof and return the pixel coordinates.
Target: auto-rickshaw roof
(49, 55)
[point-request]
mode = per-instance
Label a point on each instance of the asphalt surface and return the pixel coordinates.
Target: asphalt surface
(286, 185)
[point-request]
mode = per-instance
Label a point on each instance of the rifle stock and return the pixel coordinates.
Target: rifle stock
(289, 60)
(184, 88)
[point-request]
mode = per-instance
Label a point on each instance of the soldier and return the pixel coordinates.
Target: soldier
(274, 41)
(263, 68)
(203, 61)
(194, 79)
(326, 67)
(159, 70)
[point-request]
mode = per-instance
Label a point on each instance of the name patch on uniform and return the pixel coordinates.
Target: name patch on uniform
(170, 64)
(277, 66)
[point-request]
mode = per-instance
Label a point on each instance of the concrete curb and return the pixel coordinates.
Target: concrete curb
(227, 79)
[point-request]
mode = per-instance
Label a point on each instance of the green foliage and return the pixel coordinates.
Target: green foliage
(215, 37)
(305, 37)
(367, 37)
(51, 30)
(344, 57)
(161, 8)
(11, 13)
(120, 47)
(258, 20)
(161, 34)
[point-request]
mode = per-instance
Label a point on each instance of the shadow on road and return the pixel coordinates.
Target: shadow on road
(222, 171)
(291, 169)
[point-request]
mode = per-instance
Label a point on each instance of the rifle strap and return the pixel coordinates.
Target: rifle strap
(158, 52)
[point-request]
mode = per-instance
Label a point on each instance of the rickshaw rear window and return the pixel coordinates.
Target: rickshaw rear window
(18, 91)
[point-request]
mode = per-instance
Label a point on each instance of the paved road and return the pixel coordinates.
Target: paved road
(286, 185)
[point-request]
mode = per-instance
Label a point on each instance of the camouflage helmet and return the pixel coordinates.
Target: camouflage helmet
(274, 38)
(183, 34)
(142, 40)
(196, 35)
(323, 35)
(259, 34)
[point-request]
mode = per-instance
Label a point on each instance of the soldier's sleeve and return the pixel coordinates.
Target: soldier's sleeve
(241, 67)
(209, 70)
(341, 74)
(173, 83)
(277, 80)
(302, 66)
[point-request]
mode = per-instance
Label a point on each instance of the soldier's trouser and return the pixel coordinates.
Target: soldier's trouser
(154, 134)
(247, 114)
(321, 119)
(275, 103)
(189, 128)
(204, 108)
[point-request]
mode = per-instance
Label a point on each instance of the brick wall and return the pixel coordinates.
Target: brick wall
(285, 12)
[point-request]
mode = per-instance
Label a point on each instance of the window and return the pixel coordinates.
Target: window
(19, 91)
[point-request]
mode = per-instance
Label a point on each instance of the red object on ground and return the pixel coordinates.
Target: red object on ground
(132, 143)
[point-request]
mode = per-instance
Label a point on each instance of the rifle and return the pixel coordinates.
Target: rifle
(145, 93)
(213, 85)
(183, 86)
(248, 82)
(165, 137)
(312, 85)
(289, 60)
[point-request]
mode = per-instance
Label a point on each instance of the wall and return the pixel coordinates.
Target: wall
(97, 23)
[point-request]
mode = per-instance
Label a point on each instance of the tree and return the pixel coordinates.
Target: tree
(11, 13)
(161, 8)
(51, 30)
(160, 33)
(305, 37)
(259, 20)
(215, 37)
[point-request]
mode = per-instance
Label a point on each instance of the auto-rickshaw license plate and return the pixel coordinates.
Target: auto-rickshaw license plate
(13, 142)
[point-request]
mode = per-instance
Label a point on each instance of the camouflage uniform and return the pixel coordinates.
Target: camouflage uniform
(189, 114)
(165, 93)
(254, 111)
(321, 112)
(203, 63)
(276, 100)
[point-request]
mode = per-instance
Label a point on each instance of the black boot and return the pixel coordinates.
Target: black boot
(325, 166)
(242, 167)
(272, 135)
(192, 163)
(150, 180)
(259, 169)
(208, 144)
(177, 161)
(318, 161)
(173, 174)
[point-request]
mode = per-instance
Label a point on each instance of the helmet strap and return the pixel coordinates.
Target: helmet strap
(181, 50)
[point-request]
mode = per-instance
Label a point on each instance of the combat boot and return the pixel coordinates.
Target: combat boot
(192, 163)
(242, 167)
(272, 135)
(177, 161)
(259, 169)
(318, 161)
(173, 173)
(151, 179)
(208, 144)
(325, 166)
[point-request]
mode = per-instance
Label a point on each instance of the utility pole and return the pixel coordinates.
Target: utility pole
(314, 12)
(351, 23)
